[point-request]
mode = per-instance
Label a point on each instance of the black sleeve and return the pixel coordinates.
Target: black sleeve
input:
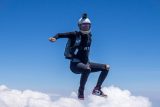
(65, 35)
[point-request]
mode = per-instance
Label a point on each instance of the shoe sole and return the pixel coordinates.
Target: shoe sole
(100, 95)
(81, 98)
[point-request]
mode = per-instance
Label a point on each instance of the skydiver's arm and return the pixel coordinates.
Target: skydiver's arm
(62, 35)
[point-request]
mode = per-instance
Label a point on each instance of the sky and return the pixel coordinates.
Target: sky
(125, 36)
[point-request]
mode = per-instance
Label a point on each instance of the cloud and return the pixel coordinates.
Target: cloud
(28, 98)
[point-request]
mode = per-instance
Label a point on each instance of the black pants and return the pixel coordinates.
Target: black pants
(86, 69)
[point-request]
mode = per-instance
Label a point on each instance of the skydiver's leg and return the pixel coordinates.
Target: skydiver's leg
(84, 70)
(104, 68)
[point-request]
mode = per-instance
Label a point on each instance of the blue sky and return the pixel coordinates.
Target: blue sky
(126, 35)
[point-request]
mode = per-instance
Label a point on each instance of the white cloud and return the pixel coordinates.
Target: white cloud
(28, 98)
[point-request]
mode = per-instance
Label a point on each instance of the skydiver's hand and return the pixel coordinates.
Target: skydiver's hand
(52, 39)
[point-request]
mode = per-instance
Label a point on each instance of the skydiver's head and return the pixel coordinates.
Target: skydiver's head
(84, 24)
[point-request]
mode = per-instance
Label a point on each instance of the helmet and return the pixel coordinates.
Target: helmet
(84, 24)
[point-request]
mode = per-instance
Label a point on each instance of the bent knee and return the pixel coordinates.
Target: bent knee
(88, 68)
(107, 67)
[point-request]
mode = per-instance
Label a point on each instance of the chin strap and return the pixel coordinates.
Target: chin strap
(85, 32)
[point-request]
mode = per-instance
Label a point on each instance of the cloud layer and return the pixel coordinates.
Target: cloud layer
(28, 98)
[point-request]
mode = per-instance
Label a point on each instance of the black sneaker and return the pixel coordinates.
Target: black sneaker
(97, 91)
(81, 94)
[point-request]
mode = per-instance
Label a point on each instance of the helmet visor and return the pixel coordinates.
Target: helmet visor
(85, 26)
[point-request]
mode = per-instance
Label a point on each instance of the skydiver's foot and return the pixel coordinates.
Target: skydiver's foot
(81, 94)
(97, 91)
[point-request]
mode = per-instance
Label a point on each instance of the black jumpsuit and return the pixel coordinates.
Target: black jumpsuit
(80, 63)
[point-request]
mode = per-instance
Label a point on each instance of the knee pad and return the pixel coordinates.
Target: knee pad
(88, 68)
(107, 67)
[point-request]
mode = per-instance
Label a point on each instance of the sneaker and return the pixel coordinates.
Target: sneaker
(97, 91)
(81, 94)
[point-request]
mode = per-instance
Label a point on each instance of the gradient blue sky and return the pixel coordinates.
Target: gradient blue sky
(126, 35)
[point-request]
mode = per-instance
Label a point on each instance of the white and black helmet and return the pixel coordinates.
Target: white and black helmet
(84, 24)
